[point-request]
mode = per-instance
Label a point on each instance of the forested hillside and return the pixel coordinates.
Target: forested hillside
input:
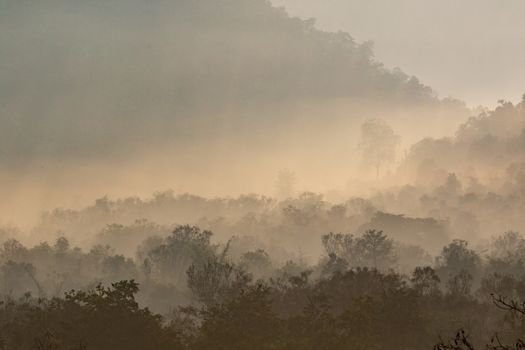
(96, 75)
(217, 174)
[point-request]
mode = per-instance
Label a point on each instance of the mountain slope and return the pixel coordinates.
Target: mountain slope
(79, 78)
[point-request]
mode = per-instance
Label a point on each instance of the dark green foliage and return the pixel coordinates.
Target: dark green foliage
(246, 322)
(102, 318)
(216, 281)
(257, 262)
(427, 231)
(362, 307)
(425, 281)
(332, 305)
(456, 258)
(186, 246)
(372, 249)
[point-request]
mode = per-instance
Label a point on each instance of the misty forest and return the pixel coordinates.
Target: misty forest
(231, 174)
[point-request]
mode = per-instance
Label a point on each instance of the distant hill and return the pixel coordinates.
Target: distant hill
(489, 142)
(84, 78)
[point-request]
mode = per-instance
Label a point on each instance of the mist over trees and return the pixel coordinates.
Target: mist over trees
(123, 92)
(273, 236)
(58, 296)
(491, 139)
(100, 74)
(407, 266)
(378, 144)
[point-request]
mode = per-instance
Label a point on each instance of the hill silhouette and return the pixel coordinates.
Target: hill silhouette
(81, 78)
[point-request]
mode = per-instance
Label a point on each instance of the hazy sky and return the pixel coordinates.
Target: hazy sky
(470, 49)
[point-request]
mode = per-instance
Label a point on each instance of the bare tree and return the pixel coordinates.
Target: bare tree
(378, 143)
(462, 342)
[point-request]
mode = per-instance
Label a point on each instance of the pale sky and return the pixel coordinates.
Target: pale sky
(473, 50)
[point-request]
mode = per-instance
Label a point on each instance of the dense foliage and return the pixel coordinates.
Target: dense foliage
(351, 297)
